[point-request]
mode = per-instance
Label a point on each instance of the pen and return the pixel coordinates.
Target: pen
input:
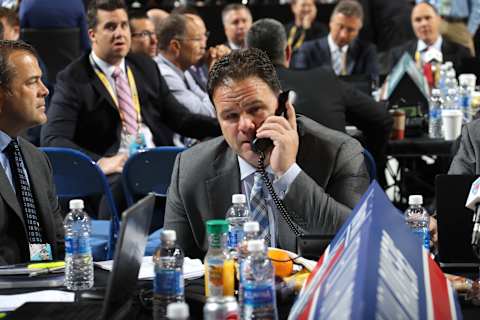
(45, 271)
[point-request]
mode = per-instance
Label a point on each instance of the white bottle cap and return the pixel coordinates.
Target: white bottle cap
(255, 245)
(251, 226)
(436, 92)
(239, 198)
(168, 235)
(76, 204)
(415, 199)
(178, 310)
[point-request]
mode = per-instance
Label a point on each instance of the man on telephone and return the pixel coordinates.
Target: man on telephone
(318, 173)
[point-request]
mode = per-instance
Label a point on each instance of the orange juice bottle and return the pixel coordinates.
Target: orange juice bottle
(219, 267)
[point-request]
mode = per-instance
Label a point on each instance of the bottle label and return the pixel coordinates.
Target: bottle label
(215, 277)
(168, 282)
(259, 301)
(435, 113)
(234, 237)
(77, 245)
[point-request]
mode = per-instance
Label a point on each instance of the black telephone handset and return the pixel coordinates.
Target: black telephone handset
(262, 144)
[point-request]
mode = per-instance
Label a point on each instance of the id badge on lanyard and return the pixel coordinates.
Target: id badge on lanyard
(40, 251)
(137, 144)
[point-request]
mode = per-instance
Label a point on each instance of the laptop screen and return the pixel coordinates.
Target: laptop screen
(454, 220)
(128, 256)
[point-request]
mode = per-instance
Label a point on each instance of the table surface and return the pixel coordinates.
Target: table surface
(414, 147)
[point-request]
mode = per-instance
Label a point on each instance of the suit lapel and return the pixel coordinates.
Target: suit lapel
(96, 83)
(7, 193)
(323, 43)
(224, 182)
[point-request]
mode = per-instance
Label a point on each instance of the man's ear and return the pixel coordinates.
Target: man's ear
(175, 47)
(288, 54)
(16, 30)
(91, 35)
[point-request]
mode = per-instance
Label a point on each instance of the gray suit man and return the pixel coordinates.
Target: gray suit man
(319, 173)
(22, 105)
(466, 160)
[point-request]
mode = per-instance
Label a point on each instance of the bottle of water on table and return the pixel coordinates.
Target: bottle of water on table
(236, 217)
(78, 253)
(417, 218)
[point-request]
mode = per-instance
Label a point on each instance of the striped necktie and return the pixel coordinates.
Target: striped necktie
(258, 207)
(125, 103)
(338, 61)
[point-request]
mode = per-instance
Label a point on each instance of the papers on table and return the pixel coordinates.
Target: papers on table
(11, 302)
(192, 268)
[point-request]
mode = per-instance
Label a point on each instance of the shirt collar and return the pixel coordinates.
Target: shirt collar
(233, 46)
(164, 60)
(5, 140)
(246, 169)
(333, 46)
(105, 67)
(421, 45)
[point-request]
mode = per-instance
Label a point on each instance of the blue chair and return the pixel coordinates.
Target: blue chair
(371, 165)
(78, 176)
(150, 171)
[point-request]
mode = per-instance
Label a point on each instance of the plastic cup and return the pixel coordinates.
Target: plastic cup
(452, 123)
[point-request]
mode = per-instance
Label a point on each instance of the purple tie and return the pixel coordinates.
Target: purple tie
(124, 97)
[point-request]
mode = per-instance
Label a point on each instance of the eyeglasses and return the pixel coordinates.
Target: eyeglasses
(144, 34)
(206, 35)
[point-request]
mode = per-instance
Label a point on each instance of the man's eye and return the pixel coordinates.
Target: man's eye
(231, 116)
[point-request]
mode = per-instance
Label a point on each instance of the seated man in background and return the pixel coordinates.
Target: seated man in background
(144, 36)
(236, 19)
(321, 96)
(108, 103)
(31, 226)
(319, 173)
(304, 27)
(426, 25)
(341, 49)
(11, 24)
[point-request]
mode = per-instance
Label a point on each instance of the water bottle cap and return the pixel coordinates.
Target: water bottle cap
(76, 204)
(168, 235)
(436, 92)
(255, 245)
(251, 226)
(415, 199)
(217, 226)
(449, 64)
(178, 310)
(239, 198)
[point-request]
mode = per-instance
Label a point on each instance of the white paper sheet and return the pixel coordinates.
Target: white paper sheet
(12, 302)
(192, 268)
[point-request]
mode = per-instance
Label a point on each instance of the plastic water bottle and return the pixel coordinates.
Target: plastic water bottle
(417, 219)
(178, 311)
(465, 100)
(258, 284)
(451, 99)
(251, 230)
(78, 253)
(219, 267)
(168, 286)
(435, 115)
(236, 217)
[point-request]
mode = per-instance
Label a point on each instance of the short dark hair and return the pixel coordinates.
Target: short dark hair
(269, 36)
(136, 15)
(106, 5)
(233, 7)
(240, 65)
(349, 8)
(173, 26)
(10, 16)
(7, 47)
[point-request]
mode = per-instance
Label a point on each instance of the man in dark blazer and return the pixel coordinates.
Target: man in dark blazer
(22, 105)
(321, 96)
(467, 158)
(426, 25)
(319, 173)
(341, 49)
(83, 113)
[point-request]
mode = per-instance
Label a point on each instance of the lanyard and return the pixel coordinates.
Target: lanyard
(291, 37)
(108, 86)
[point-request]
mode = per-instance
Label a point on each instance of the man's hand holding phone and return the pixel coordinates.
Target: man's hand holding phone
(283, 132)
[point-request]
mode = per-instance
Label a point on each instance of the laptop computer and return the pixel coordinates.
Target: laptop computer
(123, 278)
(454, 222)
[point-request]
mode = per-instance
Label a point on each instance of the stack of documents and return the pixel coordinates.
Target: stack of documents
(192, 268)
(34, 275)
(12, 302)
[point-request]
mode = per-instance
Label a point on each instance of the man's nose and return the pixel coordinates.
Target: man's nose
(246, 123)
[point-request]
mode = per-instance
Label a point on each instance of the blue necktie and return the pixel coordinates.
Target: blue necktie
(259, 208)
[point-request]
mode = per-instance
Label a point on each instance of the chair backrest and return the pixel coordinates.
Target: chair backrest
(371, 165)
(56, 47)
(76, 175)
(149, 171)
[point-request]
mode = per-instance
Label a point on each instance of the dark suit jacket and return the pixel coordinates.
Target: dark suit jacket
(467, 158)
(361, 57)
(451, 51)
(321, 96)
(319, 200)
(82, 114)
(13, 230)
